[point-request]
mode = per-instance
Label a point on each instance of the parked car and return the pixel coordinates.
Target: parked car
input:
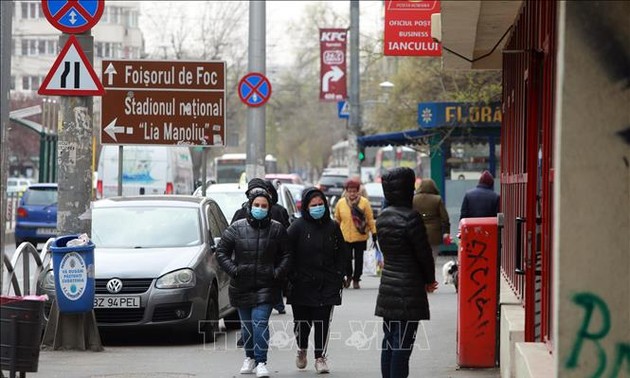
(36, 215)
(231, 197)
(296, 192)
(375, 196)
(17, 184)
(155, 264)
(332, 184)
(285, 178)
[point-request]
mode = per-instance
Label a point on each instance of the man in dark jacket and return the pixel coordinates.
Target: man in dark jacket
(408, 274)
(481, 201)
(316, 279)
(255, 253)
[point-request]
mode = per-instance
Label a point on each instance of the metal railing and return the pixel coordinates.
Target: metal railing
(18, 282)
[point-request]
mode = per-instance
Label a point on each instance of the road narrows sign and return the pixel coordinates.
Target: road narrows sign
(254, 89)
(164, 103)
(71, 74)
(73, 16)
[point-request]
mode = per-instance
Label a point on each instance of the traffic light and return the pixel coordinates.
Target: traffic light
(361, 153)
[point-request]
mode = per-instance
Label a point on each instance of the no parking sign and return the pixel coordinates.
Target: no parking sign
(254, 89)
(73, 16)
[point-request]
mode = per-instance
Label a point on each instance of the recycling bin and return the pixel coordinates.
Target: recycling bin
(74, 275)
(21, 322)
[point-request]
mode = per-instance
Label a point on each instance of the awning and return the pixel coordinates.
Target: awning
(399, 138)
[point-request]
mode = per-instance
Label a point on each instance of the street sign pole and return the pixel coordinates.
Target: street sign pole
(355, 103)
(255, 163)
(74, 163)
(6, 11)
(76, 82)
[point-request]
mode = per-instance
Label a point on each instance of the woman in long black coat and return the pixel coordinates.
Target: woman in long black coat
(317, 276)
(408, 274)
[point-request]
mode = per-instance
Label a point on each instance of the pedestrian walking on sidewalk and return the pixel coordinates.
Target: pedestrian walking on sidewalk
(428, 202)
(317, 275)
(277, 212)
(255, 253)
(481, 201)
(355, 216)
(408, 274)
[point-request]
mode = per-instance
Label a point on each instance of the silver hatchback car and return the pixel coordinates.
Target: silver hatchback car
(155, 264)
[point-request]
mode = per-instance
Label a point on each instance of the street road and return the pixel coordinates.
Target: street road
(353, 350)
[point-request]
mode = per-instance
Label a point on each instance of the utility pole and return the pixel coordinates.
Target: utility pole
(354, 100)
(74, 162)
(6, 11)
(255, 163)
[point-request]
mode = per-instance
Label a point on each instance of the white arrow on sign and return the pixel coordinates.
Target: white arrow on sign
(333, 75)
(112, 129)
(110, 71)
(73, 17)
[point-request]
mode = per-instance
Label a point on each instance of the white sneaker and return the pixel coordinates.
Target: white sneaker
(248, 366)
(321, 366)
(261, 370)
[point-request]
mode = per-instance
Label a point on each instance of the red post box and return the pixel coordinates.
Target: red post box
(478, 293)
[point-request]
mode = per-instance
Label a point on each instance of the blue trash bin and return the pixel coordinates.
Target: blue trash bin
(74, 275)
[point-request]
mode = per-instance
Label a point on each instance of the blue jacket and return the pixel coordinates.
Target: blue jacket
(480, 202)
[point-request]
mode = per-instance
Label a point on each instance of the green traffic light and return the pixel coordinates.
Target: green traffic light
(361, 156)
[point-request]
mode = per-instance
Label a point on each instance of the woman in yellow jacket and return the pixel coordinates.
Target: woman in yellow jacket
(354, 214)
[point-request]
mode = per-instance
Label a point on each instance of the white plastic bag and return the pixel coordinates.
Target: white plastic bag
(369, 262)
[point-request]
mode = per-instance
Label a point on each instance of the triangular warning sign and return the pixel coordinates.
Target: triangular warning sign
(71, 74)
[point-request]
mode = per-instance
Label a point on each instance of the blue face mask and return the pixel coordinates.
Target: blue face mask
(317, 211)
(259, 213)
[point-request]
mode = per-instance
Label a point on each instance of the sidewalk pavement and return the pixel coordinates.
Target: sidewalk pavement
(354, 347)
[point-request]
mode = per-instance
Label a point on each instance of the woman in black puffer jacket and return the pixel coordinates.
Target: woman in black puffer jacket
(408, 274)
(317, 276)
(254, 252)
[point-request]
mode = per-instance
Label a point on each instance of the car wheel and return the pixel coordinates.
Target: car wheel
(232, 321)
(211, 323)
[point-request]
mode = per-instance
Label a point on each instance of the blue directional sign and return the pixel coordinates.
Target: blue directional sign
(343, 109)
(254, 89)
(73, 16)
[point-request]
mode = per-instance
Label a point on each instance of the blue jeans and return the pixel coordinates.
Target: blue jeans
(398, 339)
(255, 331)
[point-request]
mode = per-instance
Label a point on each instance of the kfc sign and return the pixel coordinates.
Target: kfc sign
(408, 28)
(332, 43)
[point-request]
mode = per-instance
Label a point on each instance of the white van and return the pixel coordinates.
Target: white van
(146, 170)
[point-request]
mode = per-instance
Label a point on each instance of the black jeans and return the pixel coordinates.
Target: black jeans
(356, 248)
(304, 318)
(398, 339)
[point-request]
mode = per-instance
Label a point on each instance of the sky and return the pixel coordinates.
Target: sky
(279, 15)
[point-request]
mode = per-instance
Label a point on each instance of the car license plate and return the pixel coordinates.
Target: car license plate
(104, 301)
(46, 231)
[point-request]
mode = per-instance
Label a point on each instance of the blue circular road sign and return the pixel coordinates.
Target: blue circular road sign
(254, 89)
(73, 16)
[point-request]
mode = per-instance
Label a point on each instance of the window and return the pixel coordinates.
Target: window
(12, 82)
(130, 18)
(30, 83)
(29, 47)
(13, 44)
(108, 50)
(31, 10)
